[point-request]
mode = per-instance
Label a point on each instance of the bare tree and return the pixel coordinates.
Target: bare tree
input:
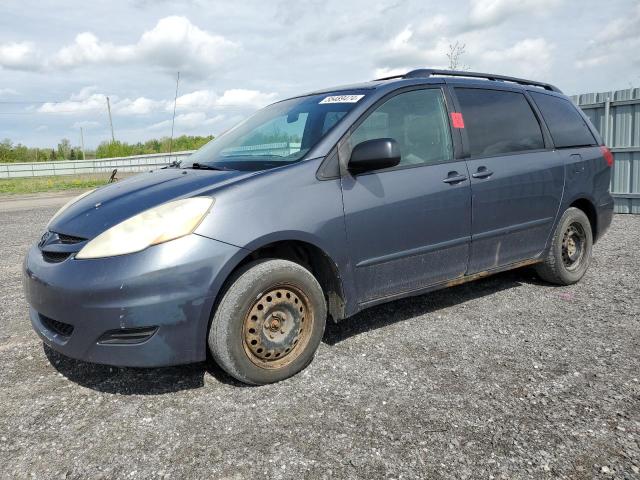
(456, 51)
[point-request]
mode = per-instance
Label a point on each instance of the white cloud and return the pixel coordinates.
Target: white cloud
(427, 45)
(385, 72)
(529, 57)
(138, 106)
(407, 50)
(87, 48)
(614, 42)
(626, 27)
(248, 98)
(5, 92)
(435, 25)
(86, 124)
(88, 100)
(174, 44)
(208, 99)
(188, 121)
(198, 100)
(488, 13)
(84, 93)
(93, 102)
(19, 56)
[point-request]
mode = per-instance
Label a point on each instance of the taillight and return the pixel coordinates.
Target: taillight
(608, 156)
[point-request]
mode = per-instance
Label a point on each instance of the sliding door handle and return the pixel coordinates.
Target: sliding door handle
(482, 173)
(454, 179)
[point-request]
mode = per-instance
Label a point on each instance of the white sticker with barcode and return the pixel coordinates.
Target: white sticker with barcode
(342, 99)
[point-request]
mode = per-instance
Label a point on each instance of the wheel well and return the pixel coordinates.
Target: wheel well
(315, 260)
(590, 211)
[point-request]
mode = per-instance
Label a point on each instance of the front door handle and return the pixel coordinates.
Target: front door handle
(454, 177)
(482, 173)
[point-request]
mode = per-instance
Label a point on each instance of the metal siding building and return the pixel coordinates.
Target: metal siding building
(616, 115)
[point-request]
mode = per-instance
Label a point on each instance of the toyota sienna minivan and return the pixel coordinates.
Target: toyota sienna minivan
(315, 208)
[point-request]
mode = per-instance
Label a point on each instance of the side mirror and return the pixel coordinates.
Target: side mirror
(374, 155)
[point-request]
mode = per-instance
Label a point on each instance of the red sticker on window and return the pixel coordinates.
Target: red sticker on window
(457, 120)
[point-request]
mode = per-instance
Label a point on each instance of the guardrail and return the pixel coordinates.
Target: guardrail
(137, 163)
(616, 115)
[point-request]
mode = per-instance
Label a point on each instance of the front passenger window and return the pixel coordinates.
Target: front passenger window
(417, 120)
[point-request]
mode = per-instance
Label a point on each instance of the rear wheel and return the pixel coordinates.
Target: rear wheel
(569, 255)
(269, 322)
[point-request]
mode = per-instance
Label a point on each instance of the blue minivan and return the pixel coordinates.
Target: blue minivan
(317, 207)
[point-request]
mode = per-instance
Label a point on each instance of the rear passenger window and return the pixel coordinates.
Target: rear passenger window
(498, 122)
(417, 120)
(567, 127)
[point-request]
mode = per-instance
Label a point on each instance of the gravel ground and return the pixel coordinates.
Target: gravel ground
(506, 377)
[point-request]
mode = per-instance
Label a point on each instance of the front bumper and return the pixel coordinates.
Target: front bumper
(171, 286)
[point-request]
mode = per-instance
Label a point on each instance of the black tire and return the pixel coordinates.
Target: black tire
(559, 266)
(281, 290)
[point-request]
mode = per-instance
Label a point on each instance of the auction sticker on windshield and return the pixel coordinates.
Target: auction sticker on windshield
(342, 99)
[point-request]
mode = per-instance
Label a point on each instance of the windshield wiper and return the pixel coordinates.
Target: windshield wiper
(174, 164)
(204, 166)
(252, 157)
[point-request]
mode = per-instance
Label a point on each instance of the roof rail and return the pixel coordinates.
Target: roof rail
(429, 72)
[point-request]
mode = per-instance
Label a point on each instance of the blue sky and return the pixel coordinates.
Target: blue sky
(60, 59)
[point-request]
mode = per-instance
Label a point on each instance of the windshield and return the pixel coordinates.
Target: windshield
(279, 134)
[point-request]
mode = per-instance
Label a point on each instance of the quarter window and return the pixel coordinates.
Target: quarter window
(567, 127)
(417, 120)
(498, 122)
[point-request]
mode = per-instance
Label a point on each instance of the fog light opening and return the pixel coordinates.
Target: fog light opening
(127, 336)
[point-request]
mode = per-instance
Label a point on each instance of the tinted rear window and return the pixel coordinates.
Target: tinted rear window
(568, 128)
(498, 122)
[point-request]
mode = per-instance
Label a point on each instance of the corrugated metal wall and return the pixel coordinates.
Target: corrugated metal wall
(616, 115)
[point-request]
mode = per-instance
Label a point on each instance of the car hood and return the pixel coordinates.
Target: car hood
(113, 203)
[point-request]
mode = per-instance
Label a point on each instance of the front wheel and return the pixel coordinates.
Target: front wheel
(269, 322)
(569, 255)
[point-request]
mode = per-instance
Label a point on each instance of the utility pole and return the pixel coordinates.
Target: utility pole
(173, 120)
(82, 143)
(113, 137)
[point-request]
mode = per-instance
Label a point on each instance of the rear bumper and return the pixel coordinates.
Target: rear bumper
(605, 216)
(169, 288)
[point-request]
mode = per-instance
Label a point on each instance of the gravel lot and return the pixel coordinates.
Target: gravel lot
(506, 377)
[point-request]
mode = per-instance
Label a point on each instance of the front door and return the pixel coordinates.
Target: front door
(408, 227)
(516, 181)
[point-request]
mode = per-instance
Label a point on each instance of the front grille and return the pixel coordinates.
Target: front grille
(56, 247)
(70, 239)
(55, 257)
(55, 326)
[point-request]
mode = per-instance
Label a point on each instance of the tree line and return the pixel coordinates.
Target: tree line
(11, 153)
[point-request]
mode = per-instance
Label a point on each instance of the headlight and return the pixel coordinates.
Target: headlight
(157, 225)
(68, 204)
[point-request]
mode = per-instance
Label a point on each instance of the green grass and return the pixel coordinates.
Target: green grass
(10, 186)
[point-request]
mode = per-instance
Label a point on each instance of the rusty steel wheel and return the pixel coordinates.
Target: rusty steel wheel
(573, 243)
(277, 327)
(569, 253)
(269, 321)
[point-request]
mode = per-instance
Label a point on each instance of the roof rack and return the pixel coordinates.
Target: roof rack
(429, 72)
